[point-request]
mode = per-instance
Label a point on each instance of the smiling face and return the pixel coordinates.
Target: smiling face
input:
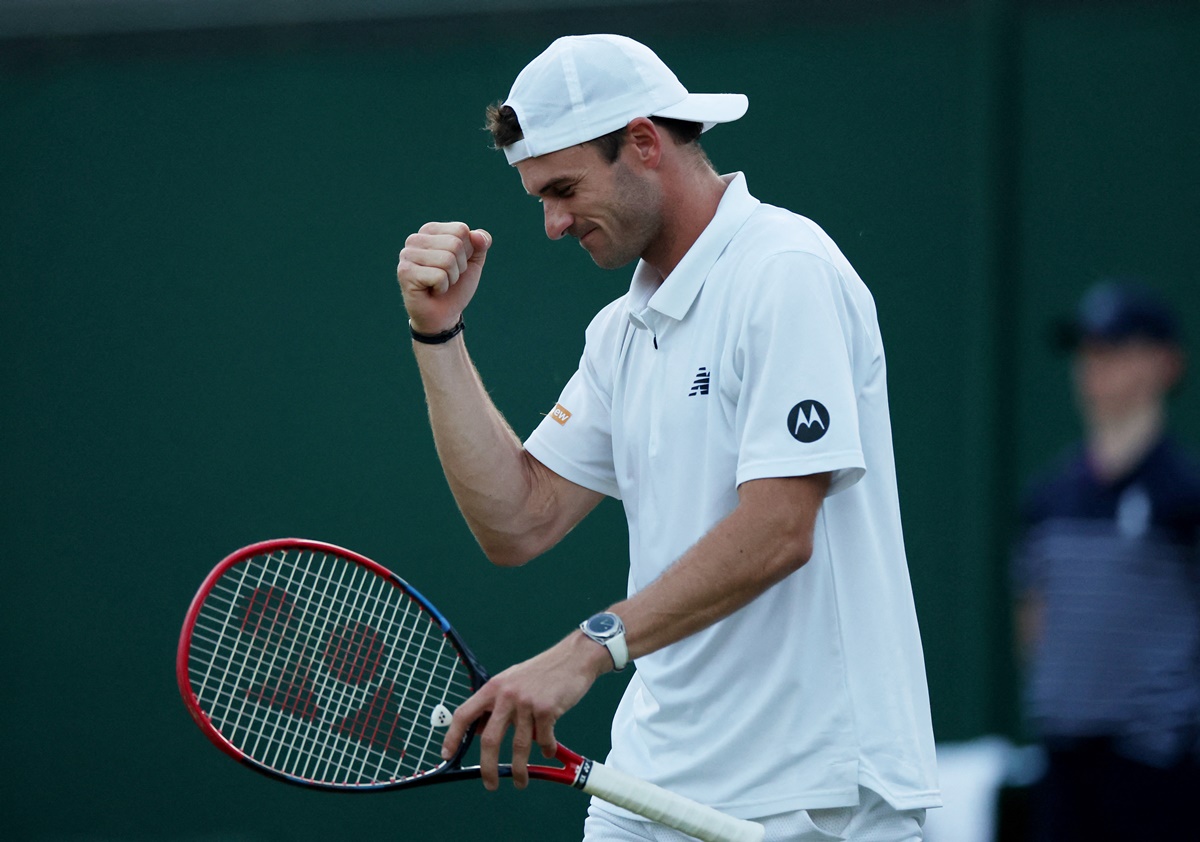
(614, 210)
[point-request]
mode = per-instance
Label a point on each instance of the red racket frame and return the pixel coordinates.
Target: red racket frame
(575, 767)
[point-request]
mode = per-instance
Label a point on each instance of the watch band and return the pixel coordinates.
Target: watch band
(619, 650)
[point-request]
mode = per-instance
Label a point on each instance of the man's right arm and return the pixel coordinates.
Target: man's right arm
(516, 506)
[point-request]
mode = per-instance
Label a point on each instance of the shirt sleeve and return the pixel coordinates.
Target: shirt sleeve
(575, 438)
(798, 413)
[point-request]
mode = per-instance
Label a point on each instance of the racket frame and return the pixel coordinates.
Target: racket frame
(451, 769)
(577, 771)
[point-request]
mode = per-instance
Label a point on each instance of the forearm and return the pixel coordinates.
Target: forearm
(766, 538)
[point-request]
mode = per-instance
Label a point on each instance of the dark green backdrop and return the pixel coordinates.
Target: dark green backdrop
(204, 346)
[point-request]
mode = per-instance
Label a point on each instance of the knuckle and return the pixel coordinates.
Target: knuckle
(444, 260)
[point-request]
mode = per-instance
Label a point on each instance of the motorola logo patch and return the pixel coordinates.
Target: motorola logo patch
(808, 421)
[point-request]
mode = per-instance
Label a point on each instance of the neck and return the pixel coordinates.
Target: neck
(1116, 445)
(690, 199)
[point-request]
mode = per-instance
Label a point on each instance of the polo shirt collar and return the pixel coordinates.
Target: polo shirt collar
(648, 298)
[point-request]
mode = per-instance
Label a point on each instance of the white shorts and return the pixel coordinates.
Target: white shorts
(873, 820)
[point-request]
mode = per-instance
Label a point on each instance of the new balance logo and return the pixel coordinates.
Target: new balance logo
(700, 384)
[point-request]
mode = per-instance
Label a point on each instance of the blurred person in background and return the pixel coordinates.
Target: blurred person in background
(1108, 591)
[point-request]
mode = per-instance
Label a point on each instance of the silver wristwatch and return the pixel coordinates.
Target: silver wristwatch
(607, 629)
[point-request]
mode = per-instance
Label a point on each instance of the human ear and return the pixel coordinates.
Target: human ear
(644, 139)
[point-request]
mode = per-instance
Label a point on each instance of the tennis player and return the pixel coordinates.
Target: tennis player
(735, 401)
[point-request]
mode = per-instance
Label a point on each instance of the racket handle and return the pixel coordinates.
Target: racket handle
(665, 807)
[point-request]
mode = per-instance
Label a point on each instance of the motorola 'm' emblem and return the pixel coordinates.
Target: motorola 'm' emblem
(808, 421)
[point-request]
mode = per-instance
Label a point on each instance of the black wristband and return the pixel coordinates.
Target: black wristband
(436, 338)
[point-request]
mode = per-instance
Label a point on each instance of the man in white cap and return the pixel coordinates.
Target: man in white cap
(735, 401)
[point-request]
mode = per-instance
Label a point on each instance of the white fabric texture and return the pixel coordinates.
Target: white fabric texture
(713, 379)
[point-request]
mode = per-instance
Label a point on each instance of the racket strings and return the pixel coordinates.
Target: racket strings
(319, 668)
(301, 691)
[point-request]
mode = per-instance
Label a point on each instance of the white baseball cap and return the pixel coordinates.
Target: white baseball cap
(585, 86)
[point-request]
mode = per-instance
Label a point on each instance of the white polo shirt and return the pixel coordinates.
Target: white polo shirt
(759, 356)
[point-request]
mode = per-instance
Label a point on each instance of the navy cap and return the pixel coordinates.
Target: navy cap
(1115, 311)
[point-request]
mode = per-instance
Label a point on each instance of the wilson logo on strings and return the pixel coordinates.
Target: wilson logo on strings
(306, 680)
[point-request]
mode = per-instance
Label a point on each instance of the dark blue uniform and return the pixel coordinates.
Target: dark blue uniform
(1114, 680)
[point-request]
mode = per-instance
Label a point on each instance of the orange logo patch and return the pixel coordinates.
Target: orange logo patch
(560, 414)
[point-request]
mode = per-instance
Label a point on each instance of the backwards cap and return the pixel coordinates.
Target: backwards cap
(585, 86)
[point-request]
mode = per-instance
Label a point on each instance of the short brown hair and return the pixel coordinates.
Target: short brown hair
(506, 130)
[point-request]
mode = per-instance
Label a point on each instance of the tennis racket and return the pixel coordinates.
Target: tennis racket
(316, 666)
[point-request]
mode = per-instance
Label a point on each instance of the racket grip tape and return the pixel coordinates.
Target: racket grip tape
(665, 807)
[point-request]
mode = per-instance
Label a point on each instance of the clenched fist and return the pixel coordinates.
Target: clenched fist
(439, 272)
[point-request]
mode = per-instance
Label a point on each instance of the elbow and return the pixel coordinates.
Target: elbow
(505, 556)
(510, 549)
(792, 550)
(795, 554)
(523, 533)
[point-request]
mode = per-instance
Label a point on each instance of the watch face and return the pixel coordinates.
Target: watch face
(602, 624)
